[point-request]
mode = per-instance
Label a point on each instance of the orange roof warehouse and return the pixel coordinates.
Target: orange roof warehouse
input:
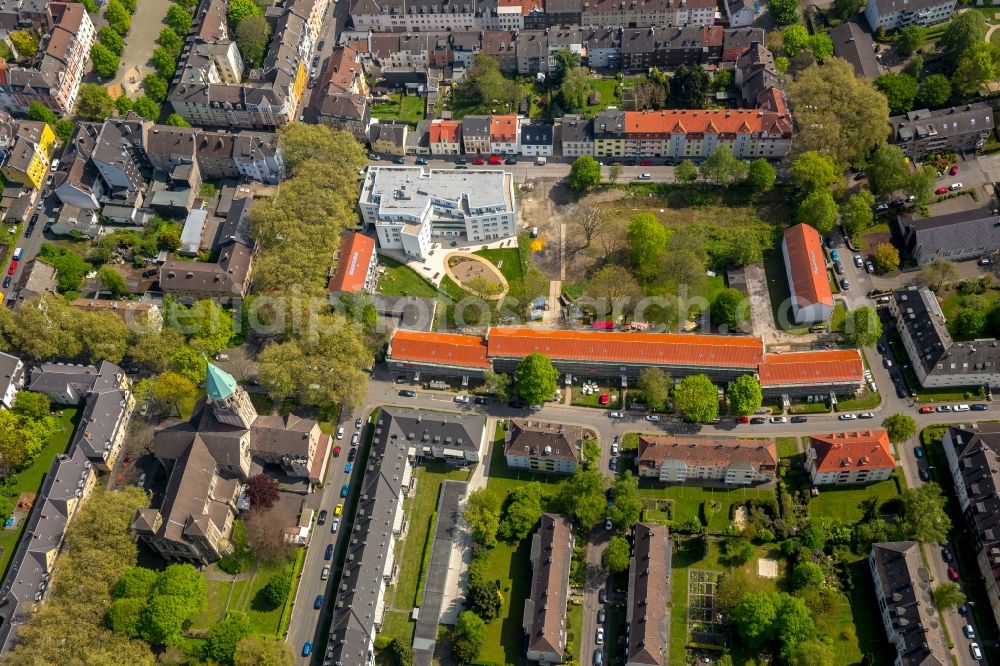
(621, 356)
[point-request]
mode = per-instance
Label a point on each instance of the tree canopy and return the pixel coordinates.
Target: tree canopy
(863, 327)
(655, 385)
(696, 399)
(745, 396)
(924, 516)
(524, 508)
(535, 378)
(616, 554)
(482, 513)
(627, 507)
(584, 173)
(647, 239)
(582, 496)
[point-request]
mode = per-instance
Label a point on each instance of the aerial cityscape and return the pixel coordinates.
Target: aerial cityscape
(499, 332)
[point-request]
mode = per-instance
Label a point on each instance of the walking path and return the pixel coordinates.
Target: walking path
(139, 44)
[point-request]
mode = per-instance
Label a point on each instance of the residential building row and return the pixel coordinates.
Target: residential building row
(401, 438)
(26, 149)
(621, 356)
(936, 358)
(213, 85)
(208, 459)
(958, 129)
(53, 79)
(104, 391)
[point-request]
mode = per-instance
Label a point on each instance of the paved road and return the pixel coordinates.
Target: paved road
(29, 247)
(555, 167)
(336, 16)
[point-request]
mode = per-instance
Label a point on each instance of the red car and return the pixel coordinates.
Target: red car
(941, 190)
(336, 451)
(495, 160)
(480, 161)
(926, 409)
(743, 419)
(953, 170)
(13, 268)
(646, 163)
(952, 574)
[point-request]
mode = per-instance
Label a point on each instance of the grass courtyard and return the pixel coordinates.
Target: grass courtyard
(30, 479)
(401, 108)
(843, 503)
(401, 280)
(247, 595)
(687, 500)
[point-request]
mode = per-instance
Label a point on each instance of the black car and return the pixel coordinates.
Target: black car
(407, 393)
(924, 475)
(462, 160)
(150, 273)
(420, 160)
(322, 517)
(901, 392)
(329, 552)
(517, 404)
(978, 407)
(799, 419)
(400, 160)
(34, 218)
(352, 454)
(27, 232)
(480, 400)
(511, 160)
(757, 420)
(860, 175)
(880, 347)
(6, 281)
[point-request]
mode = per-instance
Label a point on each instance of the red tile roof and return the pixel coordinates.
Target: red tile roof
(712, 35)
(721, 121)
(707, 451)
(445, 131)
(438, 348)
(852, 451)
(810, 284)
(503, 128)
(831, 366)
(652, 348)
(341, 70)
(355, 257)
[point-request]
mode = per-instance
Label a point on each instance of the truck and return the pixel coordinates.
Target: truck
(540, 161)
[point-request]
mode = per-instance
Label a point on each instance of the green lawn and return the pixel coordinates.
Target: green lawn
(868, 400)
(244, 595)
(788, 447)
(842, 503)
(419, 508)
(401, 280)
(574, 621)
(630, 441)
(606, 88)
(809, 408)
(688, 500)
(777, 287)
(404, 108)
(397, 624)
(504, 636)
(838, 317)
(30, 479)
(594, 399)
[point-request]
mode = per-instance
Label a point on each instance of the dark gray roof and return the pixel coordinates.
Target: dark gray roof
(647, 40)
(906, 588)
(853, 43)
(476, 126)
(54, 378)
(649, 596)
(536, 134)
(577, 130)
(9, 372)
(368, 550)
(951, 234)
(609, 123)
(236, 228)
(104, 414)
(537, 438)
(603, 38)
(419, 427)
(942, 123)
(545, 608)
(742, 38)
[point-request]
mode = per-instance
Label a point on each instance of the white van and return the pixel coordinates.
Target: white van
(17, 254)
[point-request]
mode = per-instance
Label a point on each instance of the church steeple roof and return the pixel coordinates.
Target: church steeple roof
(219, 384)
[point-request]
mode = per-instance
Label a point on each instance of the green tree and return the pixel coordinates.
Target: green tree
(524, 508)
(566, 61)
(176, 120)
(934, 91)
(696, 399)
(582, 496)
(402, 652)
(886, 258)
(784, 12)
(179, 21)
(938, 273)
(795, 38)
(574, 90)
(112, 280)
(818, 209)
(173, 390)
(915, 67)
(812, 170)
(924, 516)
(838, 113)
(745, 396)
(207, 326)
(754, 617)
(104, 59)
(190, 363)
(761, 175)
(910, 39)
(252, 36)
(497, 383)
(686, 172)
(730, 309)
(535, 378)
(470, 634)
(616, 554)
(736, 552)
(164, 62)
(722, 167)
(32, 405)
(137, 582)
(484, 597)
(584, 173)
(963, 32)
(482, 513)
(627, 508)
(689, 87)
(25, 43)
(948, 595)
(239, 10)
(647, 239)
(821, 46)
(655, 386)
(70, 267)
(977, 66)
(112, 40)
(123, 616)
(162, 618)
(921, 184)
(170, 40)
(862, 327)
(103, 336)
(899, 89)
(888, 170)
(147, 108)
(793, 624)
(119, 18)
(155, 87)
(153, 350)
(807, 575)
(255, 650)
(224, 637)
(847, 8)
(612, 289)
(900, 427)
(856, 214)
(38, 111)
(970, 323)
(123, 105)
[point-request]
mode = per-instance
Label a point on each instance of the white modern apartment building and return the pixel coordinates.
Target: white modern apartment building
(408, 206)
(895, 14)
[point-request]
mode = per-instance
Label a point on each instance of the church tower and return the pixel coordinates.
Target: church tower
(230, 403)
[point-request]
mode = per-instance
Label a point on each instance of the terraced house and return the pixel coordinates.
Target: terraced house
(544, 621)
(26, 152)
(737, 462)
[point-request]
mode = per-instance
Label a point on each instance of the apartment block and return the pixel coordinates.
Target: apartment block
(738, 462)
(555, 448)
(849, 458)
(958, 129)
(896, 14)
(544, 622)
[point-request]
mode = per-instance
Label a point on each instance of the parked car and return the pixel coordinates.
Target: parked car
(322, 517)
(357, 424)
(645, 176)
(924, 475)
(646, 163)
(845, 284)
(328, 554)
(13, 267)
(944, 408)
(351, 455)
(941, 190)
(652, 417)
(980, 407)
(838, 268)
(955, 186)
(757, 420)
(345, 490)
(600, 616)
(307, 649)
(870, 267)
(480, 400)
(336, 451)
(355, 438)
(325, 573)
(479, 161)
(494, 160)
(948, 557)
(602, 596)
(349, 467)
(511, 161)
(977, 654)
(339, 509)
(421, 161)
(334, 525)
(374, 157)
(608, 525)
(399, 160)
(615, 415)
(847, 417)
(407, 393)
(926, 409)
(463, 399)
(600, 636)
(318, 603)
(779, 419)
(866, 415)
(858, 261)
(985, 261)
(6, 281)
(961, 408)
(918, 451)
(598, 657)
(799, 419)
(953, 170)
(952, 574)
(340, 432)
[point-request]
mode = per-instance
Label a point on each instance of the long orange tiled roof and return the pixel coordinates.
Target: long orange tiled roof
(852, 451)
(444, 131)
(443, 348)
(707, 451)
(810, 283)
(812, 367)
(355, 257)
(699, 121)
(651, 348)
(503, 128)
